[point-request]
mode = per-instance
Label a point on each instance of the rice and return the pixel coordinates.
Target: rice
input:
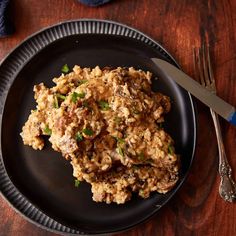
(108, 124)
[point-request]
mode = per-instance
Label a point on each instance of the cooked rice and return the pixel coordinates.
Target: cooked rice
(108, 124)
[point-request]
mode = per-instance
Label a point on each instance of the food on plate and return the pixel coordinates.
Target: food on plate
(108, 124)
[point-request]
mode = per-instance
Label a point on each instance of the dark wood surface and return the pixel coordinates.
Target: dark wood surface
(178, 25)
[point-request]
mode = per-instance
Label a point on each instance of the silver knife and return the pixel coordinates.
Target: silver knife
(166, 70)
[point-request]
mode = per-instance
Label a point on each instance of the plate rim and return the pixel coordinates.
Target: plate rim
(55, 226)
(90, 20)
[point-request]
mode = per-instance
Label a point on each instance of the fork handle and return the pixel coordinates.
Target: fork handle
(227, 188)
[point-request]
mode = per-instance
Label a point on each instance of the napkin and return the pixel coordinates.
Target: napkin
(6, 27)
(94, 3)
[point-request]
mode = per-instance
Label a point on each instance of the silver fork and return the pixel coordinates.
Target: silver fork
(203, 69)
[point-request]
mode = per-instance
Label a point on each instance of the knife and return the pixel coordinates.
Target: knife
(166, 70)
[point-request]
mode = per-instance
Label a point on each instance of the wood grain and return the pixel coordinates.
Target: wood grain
(179, 25)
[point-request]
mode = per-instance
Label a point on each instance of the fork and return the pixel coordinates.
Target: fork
(203, 68)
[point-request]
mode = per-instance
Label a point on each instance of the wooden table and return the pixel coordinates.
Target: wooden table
(178, 25)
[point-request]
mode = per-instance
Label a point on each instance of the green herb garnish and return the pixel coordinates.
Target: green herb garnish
(150, 161)
(75, 96)
(141, 156)
(88, 132)
(135, 167)
(47, 130)
(141, 193)
(104, 105)
(62, 97)
(85, 104)
(120, 140)
(170, 149)
(79, 137)
(83, 81)
(120, 151)
(159, 126)
(136, 112)
(65, 69)
(81, 95)
(55, 104)
(117, 120)
(77, 183)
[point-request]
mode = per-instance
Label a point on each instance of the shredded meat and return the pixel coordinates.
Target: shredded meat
(108, 124)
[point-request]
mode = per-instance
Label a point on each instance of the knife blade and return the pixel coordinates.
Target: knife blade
(224, 109)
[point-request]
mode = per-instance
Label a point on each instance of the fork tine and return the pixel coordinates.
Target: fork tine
(209, 65)
(205, 66)
(198, 66)
(201, 67)
(195, 63)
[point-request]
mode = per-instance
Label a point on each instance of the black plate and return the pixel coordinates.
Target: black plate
(39, 184)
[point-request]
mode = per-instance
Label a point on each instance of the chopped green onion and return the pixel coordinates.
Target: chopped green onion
(55, 104)
(141, 156)
(81, 95)
(90, 156)
(136, 112)
(149, 161)
(83, 81)
(47, 130)
(77, 183)
(159, 126)
(88, 132)
(170, 149)
(135, 167)
(62, 97)
(104, 105)
(117, 120)
(120, 140)
(85, 104)
(141, 193)
(79, 137)
(120, 151)
(74, 96)
(65, 69)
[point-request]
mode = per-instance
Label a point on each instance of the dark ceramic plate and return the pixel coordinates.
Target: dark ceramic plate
(39, 184)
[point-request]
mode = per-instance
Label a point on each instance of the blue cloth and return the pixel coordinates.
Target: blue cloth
(6, 27)
(94, 3)
(232, 118)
